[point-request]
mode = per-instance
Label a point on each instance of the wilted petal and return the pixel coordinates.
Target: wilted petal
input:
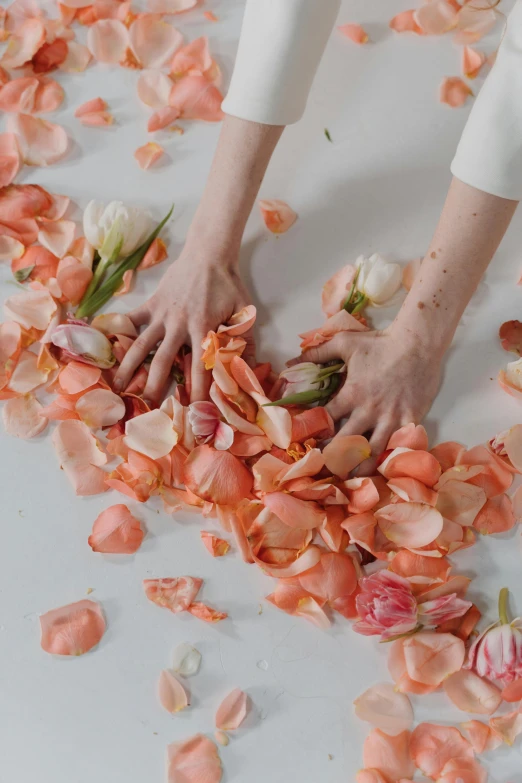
(232, 711)
(73, 629)
(108, 40)
(432, 746)
(453, 90)
(278, 216)
(384, 708)
(216, 546)
(186, 660)
(389, 755)
(116, 531)
(471, 693)
(175, 594)
(195, 760)
(22, 419)
(148, 154)
(42, 143)
(172, 695)
(206, 613)
(154, 89)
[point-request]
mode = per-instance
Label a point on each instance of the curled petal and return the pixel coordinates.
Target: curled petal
(172, 695)
(232, 711)
(22, 417)
(114, 323)
(73, 629)
(385, 709)
(433, 746)
(465, 770)
(217, 476)
(405, 23)
(156, 253)
(239, 322)
(176, 594)
(278, 216)
(346, 452)
(389, 755)
(216, 546)
(410, 525)
(163, 118)
(197, 98)
(42, 143)
(308, 559)
(49, 96)
(108, 40)
(43, 264)
(153, 40)
(399, 672)
(154, 89)
(148, 154)
(471, 693)
(432, 657)
(151, 434)
(472, 62)
(206, 613)
(116, 531)
(404, 462)
(102, 119)
(195, 760)
(453, 90)
(340, 322)
(93, 106)
(495, 477)
(23, 44)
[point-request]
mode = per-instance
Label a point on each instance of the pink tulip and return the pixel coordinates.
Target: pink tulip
(497, 653)
(82, 343)
(205, 420)
(443, 609)
(386, 606)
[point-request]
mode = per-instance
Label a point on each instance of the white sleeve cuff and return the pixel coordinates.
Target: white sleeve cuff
(281, 45)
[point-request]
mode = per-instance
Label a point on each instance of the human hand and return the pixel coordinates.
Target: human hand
(194, 296)
(392, 379)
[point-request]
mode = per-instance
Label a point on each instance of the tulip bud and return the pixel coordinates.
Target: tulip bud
(377, 279)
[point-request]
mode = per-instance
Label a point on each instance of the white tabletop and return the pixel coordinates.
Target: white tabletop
(379, 186)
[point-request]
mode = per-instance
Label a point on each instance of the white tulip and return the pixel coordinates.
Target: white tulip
(378, 279)
(115, 228)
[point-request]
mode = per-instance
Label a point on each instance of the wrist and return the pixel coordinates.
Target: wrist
(422, 333)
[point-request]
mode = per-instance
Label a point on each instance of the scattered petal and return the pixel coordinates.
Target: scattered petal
(232, 711)
(148, 154)
(116, 531)
(432, 746)
(385, 709)
(354, 32)
(453, 90)
(176, 594)
(216, 546)
(73, 629)
(153, 40)
(78, 58)
(22, 417)
(172, 695)
(278, 216)
(217, 476)
(108, 40)
(472, 62)
(195, 760)
(346, 452)
(42, 143)
(388, 755)
(471, 693)
(10, 159)
(154, 89)
(186, 660)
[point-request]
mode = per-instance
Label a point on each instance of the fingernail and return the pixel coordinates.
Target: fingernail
(117, 386)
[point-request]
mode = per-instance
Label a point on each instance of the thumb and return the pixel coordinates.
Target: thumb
(335, 348)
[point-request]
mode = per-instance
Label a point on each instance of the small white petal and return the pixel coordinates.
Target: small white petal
(187, 660)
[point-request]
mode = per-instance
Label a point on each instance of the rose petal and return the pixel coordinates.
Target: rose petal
(332, 578)
(22, 419)
(405, 23)
(432, 657)
(162, 118)
(466, 770)
(410, 525)
(50, 56)
(108, 40)
(206, 613)
(175, 594)
(385, 709)
(154, 89)
(100, 408)
(389, 755)
(436, 17)
(481, 736)
(57, 236)
(216, 546)
(496, 516)
(170, 6)
(232, 711)
(80, 457)
(507, 726)
(432, 746)
(472, 62)
(148, 154)
(151, 434)
(197, 98)
(513, 691)
(420, 465)
(473, 23)
(354, 32)
(73, 629)
(27, 375)
(186, 660)
(471, 693)
(114, 323)
(73, 277)
(496, 476)
(153, 40)
(77, 377)
(23, 44)
(336, 289)
(340, 322)
(195, 760)
(399, 672)
(453, 90)
(410, 436)
(10, 158)
(171, 693)
(346, 452)
(195, 57)
(116, 531)
(460, 502)
(278, 216)
(42, 143)
(18, 95)
(217, 476)
(78, 58)
(294, 512)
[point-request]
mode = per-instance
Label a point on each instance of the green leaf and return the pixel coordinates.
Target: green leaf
(22, 274)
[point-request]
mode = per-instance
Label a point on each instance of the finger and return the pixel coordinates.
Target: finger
(136, 355)
(343, 403)
(332, 349)
(161, 366)
(359, 422)
(249, 354)
(200, 378)
(378, 442)
(140, 316)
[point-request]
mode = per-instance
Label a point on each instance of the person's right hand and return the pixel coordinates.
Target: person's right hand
(195, 295)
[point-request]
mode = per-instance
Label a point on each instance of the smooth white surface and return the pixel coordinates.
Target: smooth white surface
(379, 186)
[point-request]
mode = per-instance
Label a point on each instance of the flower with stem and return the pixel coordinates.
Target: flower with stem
(308, 383)
(497, 653)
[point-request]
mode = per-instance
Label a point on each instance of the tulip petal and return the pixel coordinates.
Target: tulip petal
(432, 746)
(217, 476)
(232, 711)
(154, 89)
(148, 154)
(108, 40)
(278, 216)
(171, 693)
(385, 709)
(73, 629)
(175, 594)
(22, 419)
(388, 755)
(151, 434)
(346, 452)
(410, 525)
(153, 40)
(116, 531)
(432, 657)
(471, 693)
(195, 760)
(42, 143)
(453, 90)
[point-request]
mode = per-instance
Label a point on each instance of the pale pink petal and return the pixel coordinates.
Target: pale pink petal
(108, 40)
(432, 746)
(175, 594)
(19, 94)
(153, 40)
(100, 408)
(436, 17)
(73, 629)
(473, 22)
(471, 693)
(57, 236)
(496, 516)
(73, 277)
(431, 657)
(278, 216)
(410, 525)
(97, 119)
(304, 514)
(223, 436)
(27, 375)
(239, 323)
(460, 502)
(162, 118)
(195, 760)
(472, 62)
(41, 142)
(80, 457)
(385, 708)
(171, 694)
(346, 452)
(404, 22)
(389, 755)
(354, 32)
(195, 57)
(116, 531)
(197, 98)
(114, 323)
(232, 711)
(481, 736)
(149, 154)
(154, 89)
(49, 96)
(151, 434)
(453, 90)
(92, 106)
(170, 6)
(335, 290)
(466, 770)
(78, 58)
(507, 726)
(22, 419)
(10, 159)
(23, 44)
(31, 309)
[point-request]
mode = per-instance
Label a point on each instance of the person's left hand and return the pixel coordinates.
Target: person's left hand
(391, 381)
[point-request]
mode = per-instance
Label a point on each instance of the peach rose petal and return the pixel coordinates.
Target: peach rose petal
(108, 40)
(76, 377)
(206, 613)
(23, 44)
(481, 736)
(57, 236)
(405, 23)
(197, 98)
(508, 727)
(148, 154)
(151, 434)
(153, 40)
(195, 57)
(417, 464)
(308, 559)
(431, 657)
(372, 776)
(78, 58)
(175, 594)
(340, 322)
(170, 6)
(154, 89)
(116, 531)
(388, 755)
(195, 760)
(513, 692)
(80, 457)
(162, 118)
(19, 94)
(346, 452)
(453, 90)
(474, 22)
(336, 289)
(221, 738)
(303, 514)
(92, 106)
(100, 408)
(216, 546)
(463, 771)
(471, 693)
(73, 277)
(354, 32)
(436, 17)
(217, 476)
(22, 419)
(232, 711)
(278, 216)
(334, 577)
(49, 96)
(156, 253)
(73, 629)
(97, 119)
(410, 525)
(10, 160)
(399, 672)
(385, 708)
(497, 516)
(27, 375)
(31, 309)
(472, 62)
(513, 446)
(42, 143)
(460, 502)
(171, 694)
(410, 436)
(432, 746)
(114, 323)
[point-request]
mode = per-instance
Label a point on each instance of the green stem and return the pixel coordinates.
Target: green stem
(359, 306)
(99, 273)
(327, 371)
(503, 607)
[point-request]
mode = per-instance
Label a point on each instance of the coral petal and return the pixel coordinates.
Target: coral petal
(42, 143)
(432, 746)
(346, 452)
(453, 90)
(148, 154)
(116, 531)
(471, 693)
(354, 32)
(431, 657)
(217, 476)
(73, 629)
(278, 216)
(195, 760)
(171, 693)
(389, 755)
(175, 594)
(154, 89)
(153, 40)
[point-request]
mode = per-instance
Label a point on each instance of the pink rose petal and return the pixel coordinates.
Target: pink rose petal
(116, 531)
(154, 89)
(232, 711)
(172, 695)
(195, 760)
(78, 58)
(108, 40)
(73, 629)
(22, 417)
(153, 40)
(149, 154)
(41, 142)
(385, 708)
(100, 408)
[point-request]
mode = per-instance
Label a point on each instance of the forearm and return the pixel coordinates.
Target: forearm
(240, 162)
(470, 229)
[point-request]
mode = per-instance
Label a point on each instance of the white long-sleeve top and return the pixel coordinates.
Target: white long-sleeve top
(281, 45)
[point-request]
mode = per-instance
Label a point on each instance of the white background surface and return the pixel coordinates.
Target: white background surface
(379, 186)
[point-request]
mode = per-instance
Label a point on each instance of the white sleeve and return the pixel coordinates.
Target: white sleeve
(489, 155)
(281, 45)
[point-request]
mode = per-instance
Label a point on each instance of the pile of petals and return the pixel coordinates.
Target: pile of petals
(375, 550)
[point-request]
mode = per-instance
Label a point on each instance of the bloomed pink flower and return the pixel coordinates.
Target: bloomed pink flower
(205, 420)
(386, 606)
(497, 653)
(443, 609)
